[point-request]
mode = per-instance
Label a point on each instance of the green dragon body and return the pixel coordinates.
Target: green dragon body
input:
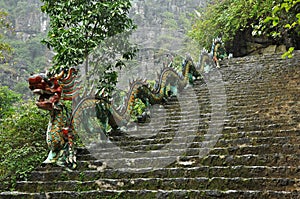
(53, 91)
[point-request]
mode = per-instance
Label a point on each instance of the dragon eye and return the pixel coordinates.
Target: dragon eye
(48, 82)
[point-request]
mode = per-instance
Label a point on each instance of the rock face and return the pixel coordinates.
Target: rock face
(153, 17)
(162, 24)
(245, 44)
(30, 21)
(256, 155)
(154, 11)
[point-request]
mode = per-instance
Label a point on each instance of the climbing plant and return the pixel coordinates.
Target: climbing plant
(228, 17)
(284, 18)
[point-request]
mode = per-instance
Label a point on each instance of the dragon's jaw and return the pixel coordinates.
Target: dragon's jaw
(45, 99)
(47, 95)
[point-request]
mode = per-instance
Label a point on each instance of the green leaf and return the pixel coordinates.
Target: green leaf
(294, 24)
(267, 19)
(285, 6)
(288, 26)
(275, 9)
(275, 21)
(289, 53)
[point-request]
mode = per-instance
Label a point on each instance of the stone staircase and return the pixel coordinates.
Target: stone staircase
(257, 153)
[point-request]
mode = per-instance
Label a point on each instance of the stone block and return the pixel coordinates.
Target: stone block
(280, 49)
(269, 50)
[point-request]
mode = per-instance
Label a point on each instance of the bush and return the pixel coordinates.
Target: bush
(7, 99)
(22, 143)
(226, 18)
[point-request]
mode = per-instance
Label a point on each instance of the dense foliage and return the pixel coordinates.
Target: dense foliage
(7, 100)
(78, 27)
(276, 19)
(22, 142)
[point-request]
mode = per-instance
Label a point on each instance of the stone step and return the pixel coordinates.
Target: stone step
(271, 144)
(231, 138)
(193, 153)
(197, 183)
(276, 159)
(174, 172)
(211, 160)
(256, 141)
(229, 134)
(232, 133)
(159, 194)
(250, 119)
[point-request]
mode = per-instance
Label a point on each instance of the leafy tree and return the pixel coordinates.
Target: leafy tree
(78, 27)
(228, 17)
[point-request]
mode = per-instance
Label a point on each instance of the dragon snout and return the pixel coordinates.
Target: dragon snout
(39, 81)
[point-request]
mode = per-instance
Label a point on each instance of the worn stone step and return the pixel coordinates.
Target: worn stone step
(228, 139)
(176, 172)
(145, 164)
(252, 125)
(231, 156)
(193, 150)
(235, 139)
(255, 141)
(234, 133)
(197, 183)
(259, 149)
(159, 194)
(271, 144)
(276, 159)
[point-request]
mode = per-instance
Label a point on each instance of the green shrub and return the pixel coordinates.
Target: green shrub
(22, 143)
(226, 18)
(137, 109)
(7, 99)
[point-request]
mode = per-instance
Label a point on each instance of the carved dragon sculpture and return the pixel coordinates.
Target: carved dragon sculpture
(53, 91)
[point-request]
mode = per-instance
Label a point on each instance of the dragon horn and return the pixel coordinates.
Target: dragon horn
(71, 70)
(60, 75)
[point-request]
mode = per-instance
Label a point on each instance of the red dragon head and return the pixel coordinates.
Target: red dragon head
(53, 89)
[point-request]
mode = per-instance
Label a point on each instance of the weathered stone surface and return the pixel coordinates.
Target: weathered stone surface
(269, 50)
(280, 49)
